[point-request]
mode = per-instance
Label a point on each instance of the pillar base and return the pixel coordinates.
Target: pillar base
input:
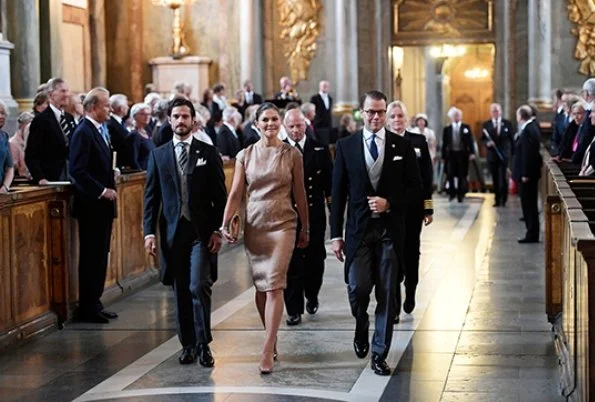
(542, 104)
(25, 104)
(344, 107)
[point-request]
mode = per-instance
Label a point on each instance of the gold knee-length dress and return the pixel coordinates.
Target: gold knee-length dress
(270, 229)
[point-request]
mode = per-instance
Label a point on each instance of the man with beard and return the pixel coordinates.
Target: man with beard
(185, 181)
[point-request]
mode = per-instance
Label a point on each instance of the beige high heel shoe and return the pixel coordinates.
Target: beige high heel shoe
(266, 363)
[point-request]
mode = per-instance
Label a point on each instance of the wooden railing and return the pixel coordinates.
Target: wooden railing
(569, 211)
(39, 255)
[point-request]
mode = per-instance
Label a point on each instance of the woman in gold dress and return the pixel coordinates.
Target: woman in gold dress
(271, 172)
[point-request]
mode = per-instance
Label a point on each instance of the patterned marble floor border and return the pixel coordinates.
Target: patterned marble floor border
(368, 387)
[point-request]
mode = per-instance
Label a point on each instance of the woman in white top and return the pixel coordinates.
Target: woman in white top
(421, 127)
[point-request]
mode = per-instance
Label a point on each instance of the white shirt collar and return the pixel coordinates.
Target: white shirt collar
(118, 118)
(526, 123)
(57, 112)
(323, 94)
(292, 142)
(186, 141)
(95, 123)
(560, 109)
(233, 130)
(380, 134)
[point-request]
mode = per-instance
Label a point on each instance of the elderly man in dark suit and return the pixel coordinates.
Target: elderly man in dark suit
(118, 132)
(228, 140)
(186, 194)
(457, 150)
(497, 137)
(306, 268)
(526, 170)
(560, 121)
(94, 204)
(323, 119)
(49, 136)
(376, 174)
(585, 133)
(251, 97)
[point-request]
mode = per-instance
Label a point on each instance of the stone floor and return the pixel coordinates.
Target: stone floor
(478, 333)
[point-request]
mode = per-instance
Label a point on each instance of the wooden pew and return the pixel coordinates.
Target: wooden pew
(39, 255)
(569, 211)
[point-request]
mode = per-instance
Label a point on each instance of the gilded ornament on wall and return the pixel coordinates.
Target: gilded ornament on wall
(582, 13)
(433, 21)
(300, 24)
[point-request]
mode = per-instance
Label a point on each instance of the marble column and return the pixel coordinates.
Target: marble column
(50, 28)
(23, 32)
(434, 107)
(98, 43)
(251, 43)
(540, 50)
(346, 63)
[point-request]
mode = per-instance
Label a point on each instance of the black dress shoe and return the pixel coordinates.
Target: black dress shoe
(205, 358)
(96, 318)
(379, 365)
(409, 305)
(361, 348)
(110, 314)
(188, 355)
(526, 240)
(294, 319)
(312, 306)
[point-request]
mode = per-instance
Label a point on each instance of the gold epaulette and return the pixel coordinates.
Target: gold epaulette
(429, 204)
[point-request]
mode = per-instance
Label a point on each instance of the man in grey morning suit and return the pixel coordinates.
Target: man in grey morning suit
(377, 176)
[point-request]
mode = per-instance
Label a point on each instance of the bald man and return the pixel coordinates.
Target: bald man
(306, 268)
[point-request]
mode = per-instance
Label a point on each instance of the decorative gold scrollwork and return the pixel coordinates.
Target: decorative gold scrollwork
(582, 13)
(301, 27)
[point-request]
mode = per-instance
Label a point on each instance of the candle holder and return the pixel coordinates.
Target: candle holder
(179, 48)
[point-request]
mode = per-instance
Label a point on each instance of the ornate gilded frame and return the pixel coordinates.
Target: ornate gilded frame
(582, 13)
(300, 28)
(425, 22)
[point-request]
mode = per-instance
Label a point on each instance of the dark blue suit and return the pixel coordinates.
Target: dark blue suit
(416, 213)
(527, 163)
(306, 268)
(186, 262)
(559, 125)
(373, 246)
(91, 171)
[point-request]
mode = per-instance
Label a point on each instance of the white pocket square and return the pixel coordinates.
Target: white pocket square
(397, 158)
(201, 162)
(319, 148)
(465, 130)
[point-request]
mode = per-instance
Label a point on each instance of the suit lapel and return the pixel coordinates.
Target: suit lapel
(390, 151)
(309, 153)
(55, 124)
(195, 152)
(99, 138)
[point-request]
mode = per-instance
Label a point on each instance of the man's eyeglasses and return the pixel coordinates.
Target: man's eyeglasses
(373, 113)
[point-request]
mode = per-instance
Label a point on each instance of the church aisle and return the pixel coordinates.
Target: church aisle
(479, 332)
